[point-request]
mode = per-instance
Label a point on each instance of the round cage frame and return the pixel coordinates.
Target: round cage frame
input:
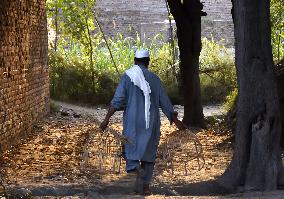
(103, 151)
(182, 152)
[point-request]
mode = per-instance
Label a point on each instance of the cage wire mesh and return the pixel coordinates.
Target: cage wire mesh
(103, 151)
(181, 151)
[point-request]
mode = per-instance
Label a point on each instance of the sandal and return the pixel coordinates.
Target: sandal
(138, 186)
(146, 190)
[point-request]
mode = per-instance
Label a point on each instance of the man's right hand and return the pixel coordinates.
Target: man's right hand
(110, 112)
(104, 124)
(179, 124)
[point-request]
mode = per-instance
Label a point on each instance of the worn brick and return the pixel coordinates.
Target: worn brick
(24, 90)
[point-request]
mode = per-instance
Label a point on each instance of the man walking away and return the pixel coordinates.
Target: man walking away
(140, 94)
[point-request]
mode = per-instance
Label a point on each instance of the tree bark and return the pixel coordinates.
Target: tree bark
(280, 82)
(56, 26)
(256, 160)
(188, 21)
(90, 51)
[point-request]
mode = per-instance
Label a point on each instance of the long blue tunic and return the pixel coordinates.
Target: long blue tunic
(130, 98)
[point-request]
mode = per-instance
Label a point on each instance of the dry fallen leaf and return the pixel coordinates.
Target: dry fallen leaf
(54, 155)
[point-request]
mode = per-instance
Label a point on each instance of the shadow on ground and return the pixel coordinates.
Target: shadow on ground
(207, 188)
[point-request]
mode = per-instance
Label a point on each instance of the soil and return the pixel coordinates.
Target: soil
(50, 163)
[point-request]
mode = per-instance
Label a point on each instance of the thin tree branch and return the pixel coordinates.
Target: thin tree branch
(172, 41)
(100, 27)
(91, 49)
(209, 70)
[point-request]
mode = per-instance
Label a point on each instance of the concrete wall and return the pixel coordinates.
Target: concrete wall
(148, 18)
(24, 84)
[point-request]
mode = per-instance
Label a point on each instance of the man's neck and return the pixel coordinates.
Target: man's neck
(142, 65)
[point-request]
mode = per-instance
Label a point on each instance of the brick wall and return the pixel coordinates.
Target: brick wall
(125, 16)
(24, 84)
(148, 18)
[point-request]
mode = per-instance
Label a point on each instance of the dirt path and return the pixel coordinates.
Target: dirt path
(49, 164)
(214, 110)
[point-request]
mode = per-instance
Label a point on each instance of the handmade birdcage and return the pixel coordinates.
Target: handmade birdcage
(182, 153)
(103, 151)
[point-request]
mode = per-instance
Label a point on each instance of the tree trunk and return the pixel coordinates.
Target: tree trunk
(280, 83)
(56, 26)
(256, 160)
(188, 21)
(90, 52)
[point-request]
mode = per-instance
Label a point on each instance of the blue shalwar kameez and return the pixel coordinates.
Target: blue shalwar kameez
(144, 142)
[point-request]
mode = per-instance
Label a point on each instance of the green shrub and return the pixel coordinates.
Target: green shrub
(217, 72)
(105, 89)
(53, 107)
(277, 26)
(161, 64)
(231, 100)
(72, 79)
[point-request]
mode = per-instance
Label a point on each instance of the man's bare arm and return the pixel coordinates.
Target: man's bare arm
(110, 112)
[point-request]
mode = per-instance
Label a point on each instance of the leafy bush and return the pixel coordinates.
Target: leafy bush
(53, 107)
(162, 65)
(217, 72)
(73, 79)
(231, 100)
(71, 74)
(277, 27)
(82, 68)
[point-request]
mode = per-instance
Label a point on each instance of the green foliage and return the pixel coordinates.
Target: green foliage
(74, 18)
(217, 72)
(161, 64)
(81, 68)
(53, 107)
(71, 78)
(277, 29)
(231, 100)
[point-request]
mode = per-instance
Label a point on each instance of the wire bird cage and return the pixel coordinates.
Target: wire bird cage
(181, 151)
(103, 151)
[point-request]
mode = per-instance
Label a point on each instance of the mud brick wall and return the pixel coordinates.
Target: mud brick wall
(126, 16)
(130, 18)
(148, 18)
(218, 24)
(24, 84)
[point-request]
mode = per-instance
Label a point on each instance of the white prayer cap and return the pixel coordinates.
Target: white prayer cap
(141, 53)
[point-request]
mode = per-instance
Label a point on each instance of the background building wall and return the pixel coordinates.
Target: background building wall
(24, 84)
(149, 17)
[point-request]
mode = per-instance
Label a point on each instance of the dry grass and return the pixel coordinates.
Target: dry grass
(54, 157)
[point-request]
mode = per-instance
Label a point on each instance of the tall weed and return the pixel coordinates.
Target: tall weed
(217, 72)
(72, 79)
